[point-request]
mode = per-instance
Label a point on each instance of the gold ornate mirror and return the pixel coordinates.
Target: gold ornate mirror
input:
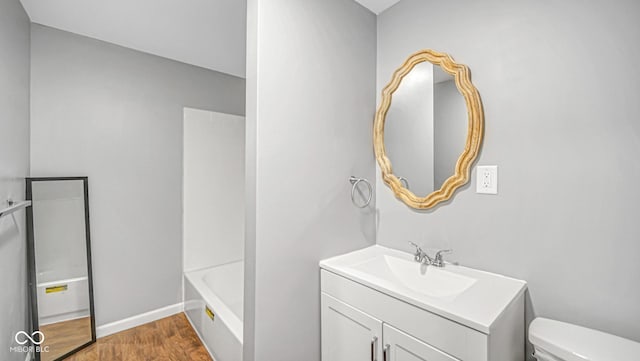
(430, 124)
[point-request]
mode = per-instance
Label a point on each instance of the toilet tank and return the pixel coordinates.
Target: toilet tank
(555, 340)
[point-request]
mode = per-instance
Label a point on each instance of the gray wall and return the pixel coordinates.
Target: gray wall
(311, 100)
(559, 84)
(115, 115)
(14, 167)
(409, 130)
(449, 128)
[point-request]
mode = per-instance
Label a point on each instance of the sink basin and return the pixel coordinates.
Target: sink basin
(471, 297)
(427, 280)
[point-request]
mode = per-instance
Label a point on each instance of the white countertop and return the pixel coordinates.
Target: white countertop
(478, 307)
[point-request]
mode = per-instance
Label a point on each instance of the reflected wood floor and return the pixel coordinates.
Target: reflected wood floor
(168, 339)
(62, 337)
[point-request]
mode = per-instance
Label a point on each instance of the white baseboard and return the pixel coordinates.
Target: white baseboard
(64, 317)
(141, 319)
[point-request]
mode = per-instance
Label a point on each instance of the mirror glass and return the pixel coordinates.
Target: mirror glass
(60, 266)
(426, 129)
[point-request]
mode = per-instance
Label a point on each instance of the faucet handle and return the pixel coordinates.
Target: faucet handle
(418, 254)
(438, 260)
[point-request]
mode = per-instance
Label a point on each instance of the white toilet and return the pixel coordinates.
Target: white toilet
(560, 341)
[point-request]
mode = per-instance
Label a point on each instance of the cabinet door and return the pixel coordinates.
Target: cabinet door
(399, 346)
(349, 334)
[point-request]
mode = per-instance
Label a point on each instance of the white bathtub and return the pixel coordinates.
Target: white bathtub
(220, 290)
(63, 295)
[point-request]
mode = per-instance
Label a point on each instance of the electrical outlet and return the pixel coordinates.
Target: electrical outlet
(487, 179)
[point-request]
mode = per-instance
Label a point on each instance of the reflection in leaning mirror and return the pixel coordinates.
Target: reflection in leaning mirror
(60, 265)
(428, 129)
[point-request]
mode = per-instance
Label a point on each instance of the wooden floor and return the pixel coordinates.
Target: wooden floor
(168, 339)
(62, 337)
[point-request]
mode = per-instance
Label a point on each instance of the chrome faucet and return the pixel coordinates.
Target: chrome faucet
(438, 261)
(422, 257)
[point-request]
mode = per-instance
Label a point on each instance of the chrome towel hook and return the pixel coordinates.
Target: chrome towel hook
(354, 185)
(404, 181)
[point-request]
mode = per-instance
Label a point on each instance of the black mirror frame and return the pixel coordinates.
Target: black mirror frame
(31, 261)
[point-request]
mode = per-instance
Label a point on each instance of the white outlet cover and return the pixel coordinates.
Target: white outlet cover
(487, 179)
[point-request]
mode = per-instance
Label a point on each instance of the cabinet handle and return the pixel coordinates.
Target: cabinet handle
(385, 352)
(374, 342)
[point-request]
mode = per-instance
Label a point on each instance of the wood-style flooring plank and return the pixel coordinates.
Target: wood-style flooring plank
(168, 339)
(62, 337)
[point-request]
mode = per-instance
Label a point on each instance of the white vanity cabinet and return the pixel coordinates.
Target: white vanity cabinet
(398, 346)
(351, 335)
(369, 316)
(347, 333)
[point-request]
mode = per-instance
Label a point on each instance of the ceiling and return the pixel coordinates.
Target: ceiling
(205, 33)
(377, 6)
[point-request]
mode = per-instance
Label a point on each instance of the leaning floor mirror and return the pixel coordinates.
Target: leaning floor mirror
(59, 254)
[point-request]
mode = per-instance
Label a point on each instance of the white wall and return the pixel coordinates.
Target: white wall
(115, 115)
(559, 84)
(14, 167)
(213, 198)
(310, 107)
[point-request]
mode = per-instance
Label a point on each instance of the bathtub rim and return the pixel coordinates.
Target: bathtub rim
(210, 299)
(62, 282)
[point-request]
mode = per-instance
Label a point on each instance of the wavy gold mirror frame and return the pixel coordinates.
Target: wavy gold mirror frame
(474, 132)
